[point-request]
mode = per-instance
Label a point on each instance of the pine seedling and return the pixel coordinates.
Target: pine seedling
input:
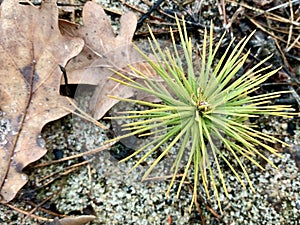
(199, 107)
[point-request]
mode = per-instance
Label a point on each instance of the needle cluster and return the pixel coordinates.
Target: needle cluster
(201, 109)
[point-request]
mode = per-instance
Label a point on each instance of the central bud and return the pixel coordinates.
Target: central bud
(202, 106)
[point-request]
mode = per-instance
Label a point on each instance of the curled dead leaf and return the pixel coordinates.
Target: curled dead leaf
(103, 52)
(101, 44)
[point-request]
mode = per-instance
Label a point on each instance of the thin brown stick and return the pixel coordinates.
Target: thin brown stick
(91, 152)
(203, 222)
(61, 171)
(132, 7)
(29, 214)
(68, 171)
(214, 213)
(224, 12)
(282, 19)
(279, 48)
(291, 26)
(83, 114)
(162, 177)
(158, 10)
(239, 11)
(265, 30)
(293, 44)
(281, 5)
(270, 15)
(63, 174)
(26, 213)
(54, 214)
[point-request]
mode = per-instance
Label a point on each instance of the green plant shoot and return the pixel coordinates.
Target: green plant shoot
(201, 106)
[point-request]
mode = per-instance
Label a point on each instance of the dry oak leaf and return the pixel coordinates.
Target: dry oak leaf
(100, 41)
(103, 51)
(31, 48)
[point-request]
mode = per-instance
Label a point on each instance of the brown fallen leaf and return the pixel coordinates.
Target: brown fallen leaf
(100, 41)
(73, 220)
(31, 49)
(103, 51)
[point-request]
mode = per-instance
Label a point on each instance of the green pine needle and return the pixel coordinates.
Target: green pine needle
(199, 107)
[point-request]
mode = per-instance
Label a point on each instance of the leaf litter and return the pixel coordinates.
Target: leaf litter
(31, 48)
(104, 52)
(94, 62)
(30, 95)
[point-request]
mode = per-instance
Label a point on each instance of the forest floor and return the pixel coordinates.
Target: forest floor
(99, 185)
